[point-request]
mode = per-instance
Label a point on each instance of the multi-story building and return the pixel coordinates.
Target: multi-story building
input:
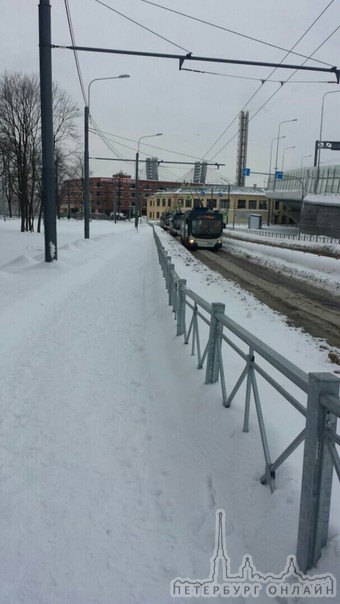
(236, 203)
(109, 195)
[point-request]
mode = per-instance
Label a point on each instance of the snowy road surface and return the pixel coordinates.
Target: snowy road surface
(114, 454)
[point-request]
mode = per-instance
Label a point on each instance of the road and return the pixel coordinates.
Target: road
(310, 308)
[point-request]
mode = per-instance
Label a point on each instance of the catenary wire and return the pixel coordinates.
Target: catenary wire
(110, 134)
(276, 91)
(75, 54)
(232, 31)
(262, 80)
(140, 25)
(271, 73)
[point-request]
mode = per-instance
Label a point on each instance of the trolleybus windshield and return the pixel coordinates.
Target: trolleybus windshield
(206, 226)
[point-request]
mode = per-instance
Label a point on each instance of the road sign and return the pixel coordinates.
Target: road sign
(278, 175)
(246, 171)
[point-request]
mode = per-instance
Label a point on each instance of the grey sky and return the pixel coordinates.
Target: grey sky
(192, 110)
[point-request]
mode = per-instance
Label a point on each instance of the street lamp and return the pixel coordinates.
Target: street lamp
(317, 156)
(86, 154)
(278, 140)
(304, 157)
(271, 153)
(283, 155)
(136, 180)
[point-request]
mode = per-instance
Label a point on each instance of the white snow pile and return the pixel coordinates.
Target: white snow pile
(115, 455)
(314, 264)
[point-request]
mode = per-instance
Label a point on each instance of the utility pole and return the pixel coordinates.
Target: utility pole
(47, 145)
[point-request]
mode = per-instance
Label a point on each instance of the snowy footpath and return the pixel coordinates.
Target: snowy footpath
(114, 454)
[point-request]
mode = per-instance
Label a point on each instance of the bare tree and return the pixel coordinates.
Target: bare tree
(20, 140)
(19, 131)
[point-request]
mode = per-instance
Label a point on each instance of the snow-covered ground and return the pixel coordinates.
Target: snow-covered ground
(314, 265)
(115, 455)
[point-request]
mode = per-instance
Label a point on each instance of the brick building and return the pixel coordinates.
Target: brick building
(108, 195)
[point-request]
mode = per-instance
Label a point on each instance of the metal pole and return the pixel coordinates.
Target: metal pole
(278, 140)
(86, 154)
(137, 205)
(317, 472)
(86, 176)
(302, 158)
(136, 192)
(271, 155)
(317, 154)
(283, 154)
(47, 142)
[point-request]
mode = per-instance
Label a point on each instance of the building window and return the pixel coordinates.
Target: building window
(252, 205)
(163, 203)
(169, 203)
(277, 205)
(263, 205)
(223, 204)
(188, 203)
(241, 204)
(158, 202)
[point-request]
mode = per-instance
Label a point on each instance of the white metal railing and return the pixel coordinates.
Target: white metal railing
(282, 235)
(319, 391)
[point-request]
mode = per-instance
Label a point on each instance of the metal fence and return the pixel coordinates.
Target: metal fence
(282, 235)
(212, 335)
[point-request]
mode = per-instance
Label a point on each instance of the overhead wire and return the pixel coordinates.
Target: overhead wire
(262, 80)
(110, 134)
(276, 91)
(215, 25)
(75, 54)
(141, 25)
(105, 140)
(271, 73)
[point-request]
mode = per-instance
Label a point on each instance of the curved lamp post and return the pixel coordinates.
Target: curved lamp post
(278, 139)
(137, 180)
(86, 153)
(321, 122)
(271, 153)
(302, 158)
(283, 154)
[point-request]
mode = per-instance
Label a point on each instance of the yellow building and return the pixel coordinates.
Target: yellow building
(237, 204)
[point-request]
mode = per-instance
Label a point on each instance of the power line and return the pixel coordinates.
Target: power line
(271, 73)
(140, 25)
(75, 54)
(149, 145)
(232, 31)
(105, 141)
(262, 80)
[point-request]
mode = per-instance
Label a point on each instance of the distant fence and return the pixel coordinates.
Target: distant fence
(319, 390)
(281, 235)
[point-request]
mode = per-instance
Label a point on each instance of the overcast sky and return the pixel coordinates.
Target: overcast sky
(196, 112)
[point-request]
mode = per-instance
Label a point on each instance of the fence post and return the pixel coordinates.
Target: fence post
(214, 344)
(171, 283)
(317, 472)
(181, 307)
